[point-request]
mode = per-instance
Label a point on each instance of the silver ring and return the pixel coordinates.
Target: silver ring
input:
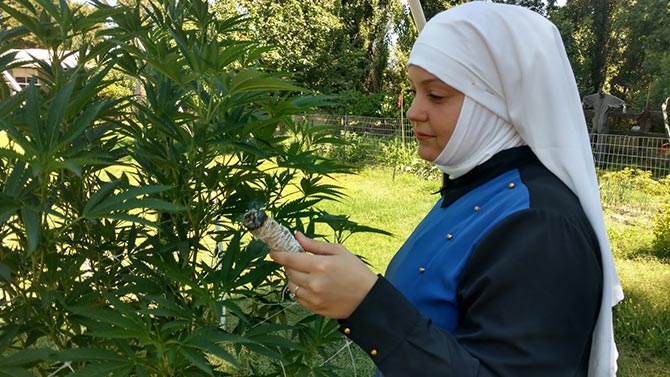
(293, 293)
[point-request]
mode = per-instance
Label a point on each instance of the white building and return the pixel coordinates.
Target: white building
(20, 77)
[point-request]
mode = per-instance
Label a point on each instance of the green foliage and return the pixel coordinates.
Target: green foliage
(329, 46)
(122, 253)
(635, 191)
(382, 104)
(632, 189)
(432, 7)
(353, 148)
(361, 46)
(643, 325)
(661, 244)
(641, 321)
(619, 46)
(626, 241)
(358, 148)
(404, 158)
(639, 68)
(314, 335)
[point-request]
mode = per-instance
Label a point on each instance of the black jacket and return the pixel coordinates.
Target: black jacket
(527, 299)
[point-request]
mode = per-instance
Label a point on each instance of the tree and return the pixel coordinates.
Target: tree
(573, 22)
(432, 7)
(641, 71)
(539, 6)
(329, 46)
(619, 46)
(601, 10)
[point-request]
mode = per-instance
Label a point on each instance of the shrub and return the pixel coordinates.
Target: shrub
(404, 158)
(635, 190)
(353, 148)
(661, 243)
(632, 189)
(382, 104)
(121, 249)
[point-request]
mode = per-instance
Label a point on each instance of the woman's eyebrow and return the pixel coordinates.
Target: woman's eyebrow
(429, 81)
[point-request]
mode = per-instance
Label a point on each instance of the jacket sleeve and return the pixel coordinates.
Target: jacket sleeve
(528, 300)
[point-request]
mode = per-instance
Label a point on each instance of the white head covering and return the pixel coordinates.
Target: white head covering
(478, 135)
(512, 61)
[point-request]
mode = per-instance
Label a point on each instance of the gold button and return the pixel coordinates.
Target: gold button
(449, 236)
(511, 185)
(347, 331)
(373, 352)
(421, 270)
(476, 208)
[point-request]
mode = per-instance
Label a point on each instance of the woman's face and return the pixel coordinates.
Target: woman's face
(434, 111)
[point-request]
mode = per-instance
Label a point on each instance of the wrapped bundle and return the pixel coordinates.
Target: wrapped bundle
(266, 229)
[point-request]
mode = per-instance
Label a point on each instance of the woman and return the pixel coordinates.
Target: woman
(510, 274)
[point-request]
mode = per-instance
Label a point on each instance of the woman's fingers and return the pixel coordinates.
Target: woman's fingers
(318, 247)
(328, 280)
(294, 261)
(298, 277)
(304, 261)
(296, 291)
(310, 261)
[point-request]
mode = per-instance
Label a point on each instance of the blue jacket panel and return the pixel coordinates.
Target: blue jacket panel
(427, 268)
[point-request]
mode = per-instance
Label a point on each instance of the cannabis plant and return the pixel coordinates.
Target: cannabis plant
(122, 252)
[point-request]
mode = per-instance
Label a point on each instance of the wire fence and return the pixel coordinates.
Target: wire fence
(615, 151)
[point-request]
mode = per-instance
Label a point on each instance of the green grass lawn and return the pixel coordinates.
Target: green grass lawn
(642, 320)
(375, 198)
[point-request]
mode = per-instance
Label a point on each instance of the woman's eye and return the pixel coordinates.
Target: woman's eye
(435, 96)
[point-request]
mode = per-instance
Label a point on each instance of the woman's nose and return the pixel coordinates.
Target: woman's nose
(415, 113)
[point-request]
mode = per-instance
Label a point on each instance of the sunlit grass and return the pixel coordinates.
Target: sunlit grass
(375, 198)
(642, 319)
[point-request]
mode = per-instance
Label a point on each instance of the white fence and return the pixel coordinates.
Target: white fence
(615, 152)
(611, 151)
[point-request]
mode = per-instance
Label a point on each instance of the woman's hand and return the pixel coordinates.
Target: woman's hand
(330, 281)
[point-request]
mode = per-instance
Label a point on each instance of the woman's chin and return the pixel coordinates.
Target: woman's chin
(427, 155)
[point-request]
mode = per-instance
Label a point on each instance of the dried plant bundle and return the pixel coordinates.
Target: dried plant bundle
(266, 229)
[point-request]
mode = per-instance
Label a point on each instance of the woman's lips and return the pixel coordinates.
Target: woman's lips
(421, 136)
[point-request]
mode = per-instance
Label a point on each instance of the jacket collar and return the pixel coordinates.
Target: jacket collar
(501, 162)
